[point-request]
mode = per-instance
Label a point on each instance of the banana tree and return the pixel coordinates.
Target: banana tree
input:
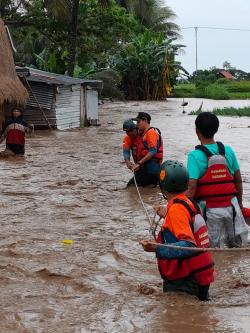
(147, 66)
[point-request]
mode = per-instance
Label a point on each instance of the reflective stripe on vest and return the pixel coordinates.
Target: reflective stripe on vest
(198, 264)
(216, 186)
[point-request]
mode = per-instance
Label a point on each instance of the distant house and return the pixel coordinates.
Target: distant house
(59, 101)
(12, 92)
(226, 75)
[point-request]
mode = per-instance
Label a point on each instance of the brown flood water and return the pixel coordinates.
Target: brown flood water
(71, 185)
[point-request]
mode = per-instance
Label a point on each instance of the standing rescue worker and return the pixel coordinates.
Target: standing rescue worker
(181, 269)
(14, 133)
(215, 181)
(151, 152)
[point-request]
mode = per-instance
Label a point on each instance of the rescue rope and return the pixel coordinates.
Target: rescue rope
(152, 223)
(206, 249)
(142, 202)
(194, 249)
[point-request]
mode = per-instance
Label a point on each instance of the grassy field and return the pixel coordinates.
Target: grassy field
(232, 112)
(184, 90)
(229, 90)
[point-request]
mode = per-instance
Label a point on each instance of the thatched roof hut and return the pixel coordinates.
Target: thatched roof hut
(12, 90)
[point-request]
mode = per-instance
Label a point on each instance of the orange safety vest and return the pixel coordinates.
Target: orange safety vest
(199, 264)
(145, 149)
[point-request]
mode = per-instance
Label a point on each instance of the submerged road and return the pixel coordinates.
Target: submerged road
(71, 185)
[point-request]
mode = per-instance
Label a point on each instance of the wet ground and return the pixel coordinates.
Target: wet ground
(71, 185)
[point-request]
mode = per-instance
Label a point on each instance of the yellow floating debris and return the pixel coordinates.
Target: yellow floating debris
(67, 241)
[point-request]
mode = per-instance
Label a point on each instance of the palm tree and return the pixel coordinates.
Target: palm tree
(153, 14)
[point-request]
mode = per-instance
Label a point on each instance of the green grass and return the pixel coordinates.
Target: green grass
(239, 95)
(238, 87)
(184, 90)
(232, 112)
(218, 90)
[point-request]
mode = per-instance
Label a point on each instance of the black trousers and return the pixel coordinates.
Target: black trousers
(188, 285)
(16, 149)
(143, 178)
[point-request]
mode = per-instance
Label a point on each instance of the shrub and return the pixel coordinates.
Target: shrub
(222, 81)
(216, 91)
(239, 86)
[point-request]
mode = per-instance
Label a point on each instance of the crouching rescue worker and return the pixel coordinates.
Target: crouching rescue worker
(14, 133)
(150, 153)
(132, 143)
(215, 182)
(181, 269)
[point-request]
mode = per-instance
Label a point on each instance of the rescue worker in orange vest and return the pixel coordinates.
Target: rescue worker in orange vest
(215, 181)
(148, 166)
(132, 142)
(181, 269)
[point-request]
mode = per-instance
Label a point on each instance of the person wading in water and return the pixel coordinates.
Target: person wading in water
(215, 182)
(184, 226)
(14, 134)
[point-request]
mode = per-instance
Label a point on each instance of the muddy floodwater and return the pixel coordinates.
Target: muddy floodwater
(71, 186)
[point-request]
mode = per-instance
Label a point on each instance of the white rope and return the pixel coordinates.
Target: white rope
(206, 249)
(151, 223)
(194, 249)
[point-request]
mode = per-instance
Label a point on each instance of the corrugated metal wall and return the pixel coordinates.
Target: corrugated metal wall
(92, 106)
(45, 96)
(68, 107)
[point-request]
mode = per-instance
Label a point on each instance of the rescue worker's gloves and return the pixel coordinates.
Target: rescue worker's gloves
(129, 125)
(173, 177)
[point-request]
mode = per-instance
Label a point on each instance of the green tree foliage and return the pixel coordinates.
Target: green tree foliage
(84, 37)
(146, 65)
(154, 15)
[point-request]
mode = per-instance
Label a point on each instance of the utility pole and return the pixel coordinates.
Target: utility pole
(196, 47)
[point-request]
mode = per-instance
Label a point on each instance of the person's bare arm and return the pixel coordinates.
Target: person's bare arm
(239, 186)
(192, 186)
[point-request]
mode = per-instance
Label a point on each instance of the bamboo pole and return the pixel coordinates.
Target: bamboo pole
(39, 106)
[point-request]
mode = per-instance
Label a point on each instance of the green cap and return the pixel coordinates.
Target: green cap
(129, 125)
(173, 177)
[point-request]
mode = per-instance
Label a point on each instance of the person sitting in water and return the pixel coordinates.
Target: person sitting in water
(151, 153)
(181, 269)
(215, 181)
(14, 133)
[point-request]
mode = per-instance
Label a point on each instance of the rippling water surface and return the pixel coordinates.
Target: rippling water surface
(71, 185)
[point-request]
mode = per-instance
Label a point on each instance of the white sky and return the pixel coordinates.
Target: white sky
(214, 46)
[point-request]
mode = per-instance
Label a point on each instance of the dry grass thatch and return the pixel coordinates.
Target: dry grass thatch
(11, 88)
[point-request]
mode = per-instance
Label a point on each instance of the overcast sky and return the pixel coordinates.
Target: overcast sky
(214, 46)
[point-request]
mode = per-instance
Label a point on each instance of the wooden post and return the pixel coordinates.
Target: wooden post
(2, 117)
(82, 106)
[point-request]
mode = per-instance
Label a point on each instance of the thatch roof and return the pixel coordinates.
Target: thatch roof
(11, 88)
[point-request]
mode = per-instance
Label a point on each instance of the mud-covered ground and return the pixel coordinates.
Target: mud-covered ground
(71, 185)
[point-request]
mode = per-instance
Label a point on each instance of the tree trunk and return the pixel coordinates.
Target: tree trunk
(3, 4)
(73, 38)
